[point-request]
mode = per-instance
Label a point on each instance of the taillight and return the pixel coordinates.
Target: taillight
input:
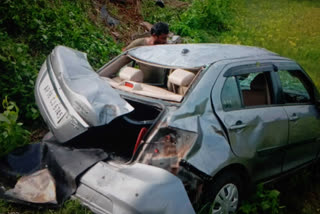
(167, 148)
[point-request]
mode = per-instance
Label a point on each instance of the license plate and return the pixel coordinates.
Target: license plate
(51, 101)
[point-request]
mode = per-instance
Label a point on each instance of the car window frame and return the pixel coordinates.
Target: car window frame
(247, 69)
(311, 89)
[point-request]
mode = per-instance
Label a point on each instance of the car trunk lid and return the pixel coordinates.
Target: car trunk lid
(72, 97)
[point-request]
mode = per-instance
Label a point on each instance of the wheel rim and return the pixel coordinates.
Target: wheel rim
(226, 200)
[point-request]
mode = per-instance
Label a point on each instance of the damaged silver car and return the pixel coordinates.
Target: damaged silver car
(182, 124)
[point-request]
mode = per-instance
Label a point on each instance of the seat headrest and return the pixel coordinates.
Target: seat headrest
(132, 74)
(259, 83)
(181, 77)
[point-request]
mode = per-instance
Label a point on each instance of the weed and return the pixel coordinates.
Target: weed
(12, 134)
(197, 21)
(263, 201)
(29, 30)
(204, 19)
(69, 207)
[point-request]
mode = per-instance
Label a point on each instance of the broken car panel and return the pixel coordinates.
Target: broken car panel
(208, 116)
(71, 96)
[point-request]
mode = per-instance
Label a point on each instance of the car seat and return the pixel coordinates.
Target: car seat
(258, 93)
(129, 73)
(179, 80)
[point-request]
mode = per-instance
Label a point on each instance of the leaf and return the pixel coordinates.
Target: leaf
(4, 119)
(274, 193)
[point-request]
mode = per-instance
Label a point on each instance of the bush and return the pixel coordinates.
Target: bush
(44, 25)
(204, 18)
(12, 134)
(169, 14)
(197, 20)
(18, 74)
(264, 201)
(30, 29)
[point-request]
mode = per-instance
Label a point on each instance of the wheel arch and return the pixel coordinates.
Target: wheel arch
(238, 169)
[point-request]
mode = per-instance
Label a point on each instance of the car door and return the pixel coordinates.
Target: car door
(257, 129)
(298, 100)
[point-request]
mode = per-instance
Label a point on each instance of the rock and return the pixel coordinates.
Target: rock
(107, 18)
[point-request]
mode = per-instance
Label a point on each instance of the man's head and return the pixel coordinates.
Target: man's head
(159, 32)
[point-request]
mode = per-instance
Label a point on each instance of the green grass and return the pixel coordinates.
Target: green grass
(69, 207)
(288, 27)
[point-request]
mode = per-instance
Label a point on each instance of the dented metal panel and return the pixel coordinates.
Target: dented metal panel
(135, 188)
(72, 97)
(261, 135)
(211, 150)
(194, 55)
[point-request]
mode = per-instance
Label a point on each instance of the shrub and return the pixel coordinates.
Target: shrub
(43, 25)
(204, 18)
(30, 29)
(263, 201)
(12, 134)
(18, 74)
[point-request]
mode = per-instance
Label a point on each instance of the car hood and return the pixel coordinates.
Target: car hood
(72, 97)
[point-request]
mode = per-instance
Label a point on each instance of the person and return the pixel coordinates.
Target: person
(159, 34)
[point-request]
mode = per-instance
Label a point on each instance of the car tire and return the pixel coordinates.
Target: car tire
(223, 194)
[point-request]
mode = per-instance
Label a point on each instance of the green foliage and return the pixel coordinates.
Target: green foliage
(3, 207)
(69, 207)
(18, 74)
(43, 25)
(30, 29)
(289, 28)
(197, 20)
(12, 134)
(264, 201)
(153, 13)
(204, 19)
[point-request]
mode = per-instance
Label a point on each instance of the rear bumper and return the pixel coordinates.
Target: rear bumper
(132, 189)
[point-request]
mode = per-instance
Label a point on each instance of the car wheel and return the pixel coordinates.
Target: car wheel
(224, 193)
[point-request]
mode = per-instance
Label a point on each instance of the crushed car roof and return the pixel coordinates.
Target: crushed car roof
(194, 55)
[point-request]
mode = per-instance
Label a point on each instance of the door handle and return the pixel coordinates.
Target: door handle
(294, 117)
(239, 125)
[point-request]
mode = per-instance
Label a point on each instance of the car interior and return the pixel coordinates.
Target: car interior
(149, 79)
(259, 93)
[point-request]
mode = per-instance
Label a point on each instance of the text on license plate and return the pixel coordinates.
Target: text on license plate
(54, 106)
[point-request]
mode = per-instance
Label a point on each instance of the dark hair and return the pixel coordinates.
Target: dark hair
(160, 28)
